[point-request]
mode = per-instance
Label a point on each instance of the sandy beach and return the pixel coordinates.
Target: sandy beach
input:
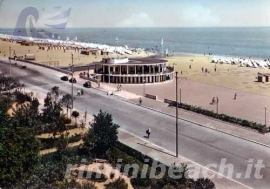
(63, 57)
(227, 76)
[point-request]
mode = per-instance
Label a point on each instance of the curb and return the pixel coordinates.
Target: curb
(201, 125)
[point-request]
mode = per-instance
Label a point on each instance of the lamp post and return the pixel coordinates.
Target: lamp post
(176, 124)
(265, 108)
(10, 49)
(217, 104)
(180, 90)
(71, 66)
(144, 87)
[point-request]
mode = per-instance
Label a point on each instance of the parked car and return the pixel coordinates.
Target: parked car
(73, 80)
(87, 84)
(64, 78)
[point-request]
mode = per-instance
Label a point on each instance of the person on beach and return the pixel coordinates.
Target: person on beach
(213, 100)
(148, 132)
(235, 96)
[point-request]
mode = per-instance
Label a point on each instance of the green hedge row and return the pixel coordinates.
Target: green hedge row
(245, 123)
(47, 143)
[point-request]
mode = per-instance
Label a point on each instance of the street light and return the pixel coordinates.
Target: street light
(176, 124)
(144, 87)
(180, 96)
(265, 108)
(217, 104)
(72, 66)
(10, 49)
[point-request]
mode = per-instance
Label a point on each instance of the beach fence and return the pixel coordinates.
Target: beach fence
(47, 66)
(150, 96)
(51, 64)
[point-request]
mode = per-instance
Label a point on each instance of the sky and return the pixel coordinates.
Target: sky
(142, 13)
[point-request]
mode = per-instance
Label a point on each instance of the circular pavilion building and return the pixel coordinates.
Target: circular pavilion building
(133, 71)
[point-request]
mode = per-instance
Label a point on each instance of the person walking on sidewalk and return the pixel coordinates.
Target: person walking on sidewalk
(148, 132)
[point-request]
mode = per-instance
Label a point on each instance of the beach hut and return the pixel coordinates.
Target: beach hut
(104, 52)
(29, 57)
(85, 51)
(94, 51)
(267, 77)
(261, 77)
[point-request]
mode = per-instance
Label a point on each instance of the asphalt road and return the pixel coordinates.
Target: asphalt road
(199, 144)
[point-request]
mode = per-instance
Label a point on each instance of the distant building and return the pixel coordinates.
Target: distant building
(135, 71)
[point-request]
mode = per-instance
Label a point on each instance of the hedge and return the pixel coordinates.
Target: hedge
(47, 143)
(245, 123)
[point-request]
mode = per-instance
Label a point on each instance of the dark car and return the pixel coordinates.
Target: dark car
(73, 80)
(87, 84)
(64, 78)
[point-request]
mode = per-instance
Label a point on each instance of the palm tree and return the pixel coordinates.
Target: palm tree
(75, 114)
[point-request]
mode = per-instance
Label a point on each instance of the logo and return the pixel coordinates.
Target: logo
(44, 23)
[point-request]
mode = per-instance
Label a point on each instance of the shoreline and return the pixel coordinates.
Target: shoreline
(125, 48)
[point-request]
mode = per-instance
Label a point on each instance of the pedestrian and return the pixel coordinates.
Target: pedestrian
(82, 93)
(235, 96)
(181, 72)
(202, 69)
(140, 100)
(189, 66)
(215, 69)
(148, 132)
(213, 100)
(120, 87)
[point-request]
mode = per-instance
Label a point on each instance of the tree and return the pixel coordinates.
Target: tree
(19, 154)
(204, 183)
(102, 135)
(62, 142)
(75, 114)
(52, 110)
(22, 98)
(117, 184)
(8, 83)
(55, 92)
(35, 104)
(26, 116)
(67, 101)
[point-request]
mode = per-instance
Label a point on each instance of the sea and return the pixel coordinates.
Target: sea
(237, 42)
